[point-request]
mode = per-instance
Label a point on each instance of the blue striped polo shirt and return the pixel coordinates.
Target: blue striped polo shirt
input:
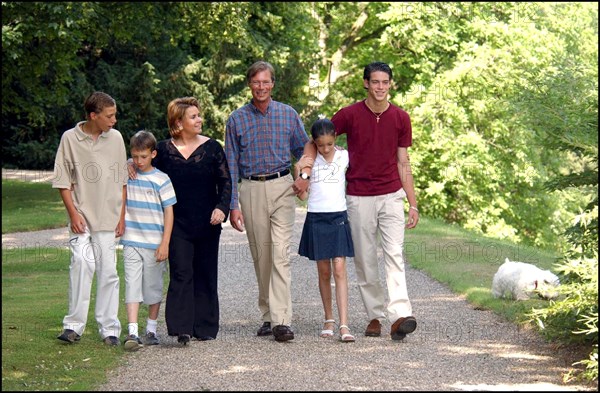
(147, 196)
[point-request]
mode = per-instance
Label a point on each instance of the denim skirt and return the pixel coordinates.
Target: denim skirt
(325, 236)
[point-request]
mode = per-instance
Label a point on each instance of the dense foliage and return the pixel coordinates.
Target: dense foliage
(568, 128)
(503, 96)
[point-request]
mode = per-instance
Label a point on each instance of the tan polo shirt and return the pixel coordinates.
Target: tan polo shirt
(96, 172)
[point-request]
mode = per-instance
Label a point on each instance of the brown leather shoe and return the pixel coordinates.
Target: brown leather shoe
(374, 329)
(283, 333)
(402, 327)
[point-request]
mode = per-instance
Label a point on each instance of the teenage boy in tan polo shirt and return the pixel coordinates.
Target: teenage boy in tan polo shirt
(90, 174)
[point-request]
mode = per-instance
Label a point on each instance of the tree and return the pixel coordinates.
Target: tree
(561, 107)
(477, 162)
(40, 78)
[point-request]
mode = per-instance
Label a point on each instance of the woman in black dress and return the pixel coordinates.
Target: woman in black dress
(198, 169)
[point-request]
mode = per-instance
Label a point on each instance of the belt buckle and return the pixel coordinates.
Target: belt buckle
(262, 178)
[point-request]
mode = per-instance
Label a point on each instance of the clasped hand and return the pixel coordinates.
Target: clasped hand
(300, 185)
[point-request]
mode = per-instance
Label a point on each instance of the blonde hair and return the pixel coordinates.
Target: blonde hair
(176, 110)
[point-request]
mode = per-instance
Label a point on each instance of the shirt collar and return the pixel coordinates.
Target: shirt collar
(256, 110)
(82, 135)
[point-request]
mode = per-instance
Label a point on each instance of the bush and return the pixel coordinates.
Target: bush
(574, 318)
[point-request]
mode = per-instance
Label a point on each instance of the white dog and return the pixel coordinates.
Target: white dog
(519, 280)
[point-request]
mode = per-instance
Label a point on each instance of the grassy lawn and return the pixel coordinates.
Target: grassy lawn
(31, 206)
(34, 301)
(466, 263)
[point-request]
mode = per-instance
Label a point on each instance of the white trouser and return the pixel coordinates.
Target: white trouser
(383, 215)
(93, 252)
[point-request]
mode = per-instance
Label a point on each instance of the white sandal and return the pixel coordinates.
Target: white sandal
(346, 337)
(326, 333)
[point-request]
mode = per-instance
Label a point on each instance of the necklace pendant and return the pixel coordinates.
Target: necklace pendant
(377, 119)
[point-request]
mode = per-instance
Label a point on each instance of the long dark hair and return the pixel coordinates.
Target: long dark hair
(322, 127)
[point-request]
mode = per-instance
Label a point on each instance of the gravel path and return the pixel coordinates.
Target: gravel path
(455, 346)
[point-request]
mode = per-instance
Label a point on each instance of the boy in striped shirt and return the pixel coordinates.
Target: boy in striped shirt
(148, 226)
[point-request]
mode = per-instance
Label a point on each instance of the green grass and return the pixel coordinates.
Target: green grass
(31, 206)
(34, 301)
(466, 263)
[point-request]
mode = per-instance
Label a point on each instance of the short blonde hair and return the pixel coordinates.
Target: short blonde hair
(176, 110)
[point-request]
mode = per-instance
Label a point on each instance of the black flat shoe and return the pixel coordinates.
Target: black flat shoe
(183, 339)
(264, 330)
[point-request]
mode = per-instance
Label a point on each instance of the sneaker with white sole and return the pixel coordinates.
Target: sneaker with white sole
(132, 343)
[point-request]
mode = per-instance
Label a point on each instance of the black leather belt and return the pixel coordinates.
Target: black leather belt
(269, 177)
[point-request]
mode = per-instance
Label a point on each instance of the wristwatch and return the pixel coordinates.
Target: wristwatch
(304, 176)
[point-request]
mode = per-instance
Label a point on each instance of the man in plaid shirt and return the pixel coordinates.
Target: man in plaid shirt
(259, 139)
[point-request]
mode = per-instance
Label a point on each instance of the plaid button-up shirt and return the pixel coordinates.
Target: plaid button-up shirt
(260, 144)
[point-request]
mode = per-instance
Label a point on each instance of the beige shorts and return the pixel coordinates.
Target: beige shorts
(144, 277)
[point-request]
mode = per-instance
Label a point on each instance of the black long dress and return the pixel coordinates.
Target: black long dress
(202, 183)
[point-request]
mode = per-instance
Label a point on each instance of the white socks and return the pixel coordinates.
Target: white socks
(133, 328)
(151, 325)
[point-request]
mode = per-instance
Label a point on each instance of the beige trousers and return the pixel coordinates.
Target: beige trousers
(269, 212)
(369, 217)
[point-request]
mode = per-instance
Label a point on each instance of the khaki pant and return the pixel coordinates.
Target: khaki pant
(369, 217)
(269, 212)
